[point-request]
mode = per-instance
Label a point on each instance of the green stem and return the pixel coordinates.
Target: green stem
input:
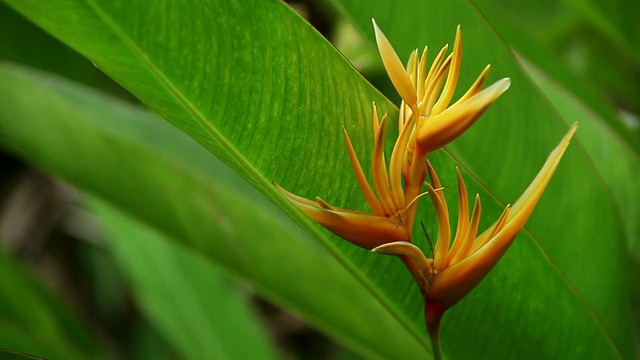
(432, 316)
(435, 345)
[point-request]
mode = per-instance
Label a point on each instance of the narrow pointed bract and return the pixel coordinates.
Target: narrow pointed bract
(455, 271)
(360, 228)
(486, 253)
(427, 95)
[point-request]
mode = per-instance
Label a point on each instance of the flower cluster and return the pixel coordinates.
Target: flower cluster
(428, 121)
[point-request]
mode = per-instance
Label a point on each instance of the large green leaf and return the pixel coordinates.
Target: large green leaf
(617, 162)
(201, 313)
(246, 90)
(157, 173)
(33, 320)
(261, 90)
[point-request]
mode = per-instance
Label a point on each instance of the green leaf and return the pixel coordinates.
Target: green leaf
(243, 102)
(34, 320)
(617, 163)
(139, 163)
(198, 310)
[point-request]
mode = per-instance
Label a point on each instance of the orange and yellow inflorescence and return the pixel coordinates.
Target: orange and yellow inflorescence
(428, 120)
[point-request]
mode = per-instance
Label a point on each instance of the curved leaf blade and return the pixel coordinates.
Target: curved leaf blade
(617, 162)
(133, 160)
(197, 72)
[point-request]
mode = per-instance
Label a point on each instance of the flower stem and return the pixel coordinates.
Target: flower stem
(435, 345)
(432, 317)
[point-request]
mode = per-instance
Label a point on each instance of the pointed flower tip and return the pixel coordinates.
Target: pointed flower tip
(524, 206)
(394, 67)
(573, 129)
(380, 37)
(559, 150)
(503, 85)
(492, 93)
(395, 248)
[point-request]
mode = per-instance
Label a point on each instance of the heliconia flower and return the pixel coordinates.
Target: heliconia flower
(392, 217)
(398, 187)
(428, 93)
(455, 270)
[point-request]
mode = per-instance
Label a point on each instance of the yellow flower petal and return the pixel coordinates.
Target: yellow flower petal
(463, 248)
(395, 69)
(452, 77)
(362, 179)
(379, 170)
(441, 250)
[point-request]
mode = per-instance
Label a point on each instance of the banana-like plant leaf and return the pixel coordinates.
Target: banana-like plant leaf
(134, 160)
(618, 163)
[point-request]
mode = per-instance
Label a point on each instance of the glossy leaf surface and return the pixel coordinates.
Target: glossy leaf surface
(127, 156)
